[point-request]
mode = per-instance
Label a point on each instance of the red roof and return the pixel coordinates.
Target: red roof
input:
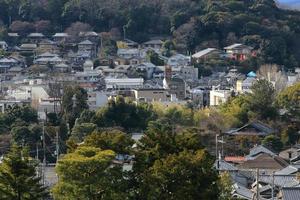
(235, 159)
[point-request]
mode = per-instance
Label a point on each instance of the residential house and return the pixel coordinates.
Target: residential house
(123, 83)
(258, 150)
(244, 86)
(219, 96)
(90, 35)
(239, 52)
(61, 37)
(200, 96)
(8, 63)
(87, 46)
(6, 103)
(128, 53)
(254, 128)
(3, 45)
(145, 69)
(47, 46)
(35, 37)
(206, 54)
(155, 44)
(96, 99)
(118, 71)
(289, 193)
(48, 58)
(265, 162)
(151, 95)
(175, 86)
(189, 73)
(179, 60)
(291, 154)
(28, 48)
(126, 43)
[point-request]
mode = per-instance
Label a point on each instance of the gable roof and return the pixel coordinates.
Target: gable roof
(255, 151)
(241, 191)
(237, 46)
(265, 161)
(204, 52)
(259, 128)
(280, 180)
(86, 42)
(61, 35)
(291, 169)
(36, 35)
(290, 193)
(222, 165)
(157, 42)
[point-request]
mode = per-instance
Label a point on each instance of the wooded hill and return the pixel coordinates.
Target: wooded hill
(193, 24)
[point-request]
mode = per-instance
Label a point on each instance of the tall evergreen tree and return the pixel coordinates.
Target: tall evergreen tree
(18, 179)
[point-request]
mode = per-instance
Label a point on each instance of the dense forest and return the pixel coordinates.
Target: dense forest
(192, 24)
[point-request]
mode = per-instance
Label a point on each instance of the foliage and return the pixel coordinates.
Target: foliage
(74, 101)
(115, 140)
(261, 100)
(80, 131)
(289, 100)
(84, 174)
(153, 57)
(187, 175)
(225, 186)
(18, 178)
(273, 142)
(124, 114)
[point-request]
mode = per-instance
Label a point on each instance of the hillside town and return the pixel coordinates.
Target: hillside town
(149, 100)
(35, 68)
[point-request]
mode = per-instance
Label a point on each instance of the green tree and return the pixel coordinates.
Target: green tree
(18, 179)
(225, 186)
(289, 101)
(187, 175)
(74, 101)
(273, 142)
(80, 131)
(261, 100)
(115, 140)
(154, 58)
(85, 174)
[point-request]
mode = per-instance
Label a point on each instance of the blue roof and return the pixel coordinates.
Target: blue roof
(251, 74)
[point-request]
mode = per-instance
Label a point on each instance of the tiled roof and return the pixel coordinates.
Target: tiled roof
(242, 191)
(224, 166)
(265, 161)
(291, 193)
(280, 180)
(255, 151)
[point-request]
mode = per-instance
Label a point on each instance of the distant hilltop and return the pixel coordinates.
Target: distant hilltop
(289, 4)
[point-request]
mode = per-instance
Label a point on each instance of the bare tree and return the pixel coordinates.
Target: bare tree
(273, 74)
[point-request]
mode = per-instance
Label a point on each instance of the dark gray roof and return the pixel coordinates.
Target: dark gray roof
(241, 191)
(291, 193)
(261, 129)
(280, 180)
(291, 169)
(224, 166)
(255, 151)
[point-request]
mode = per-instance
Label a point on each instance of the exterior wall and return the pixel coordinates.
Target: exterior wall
(151, 95)
(217, 97)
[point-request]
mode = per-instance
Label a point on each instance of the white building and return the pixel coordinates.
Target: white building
(123, 83)
(97, 99)
(218, 97)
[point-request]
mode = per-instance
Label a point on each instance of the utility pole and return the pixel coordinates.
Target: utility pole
(257, 186)
(44, 156)
(272, 185)
(57, 146)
